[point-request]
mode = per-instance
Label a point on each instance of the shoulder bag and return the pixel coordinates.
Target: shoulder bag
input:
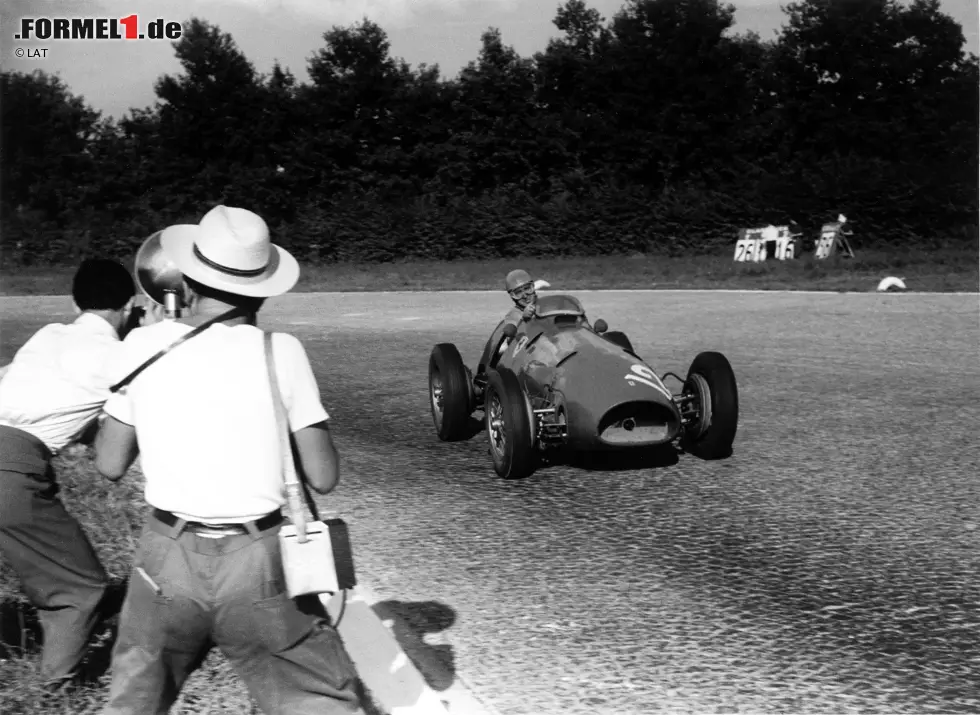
(316, 554)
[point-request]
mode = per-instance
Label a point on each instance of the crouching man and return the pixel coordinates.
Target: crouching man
(50, 397)
(208, 568)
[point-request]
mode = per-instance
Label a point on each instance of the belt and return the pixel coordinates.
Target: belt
(268, 521)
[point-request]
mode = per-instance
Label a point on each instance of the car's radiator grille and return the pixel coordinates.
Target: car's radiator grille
(637, 423)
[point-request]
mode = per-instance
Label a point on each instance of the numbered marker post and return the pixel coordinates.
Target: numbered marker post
(740, 247)
(828, 237)
(749, 246)
(760, 244)
(832, 240)
(785, 244)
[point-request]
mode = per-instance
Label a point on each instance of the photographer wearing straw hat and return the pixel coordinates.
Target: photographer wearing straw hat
(208, 568)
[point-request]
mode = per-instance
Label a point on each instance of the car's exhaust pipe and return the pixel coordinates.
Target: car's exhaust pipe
(629, 424)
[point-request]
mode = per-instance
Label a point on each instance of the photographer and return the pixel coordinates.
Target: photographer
(208, 569)
(50, 396)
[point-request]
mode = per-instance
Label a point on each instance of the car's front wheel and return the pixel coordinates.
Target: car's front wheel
(711, 381)
(508, 426)
(450, 393)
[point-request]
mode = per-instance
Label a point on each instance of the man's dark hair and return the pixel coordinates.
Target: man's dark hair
(102, 284)
(246, 303)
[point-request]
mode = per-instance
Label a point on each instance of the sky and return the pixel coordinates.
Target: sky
(115, 76)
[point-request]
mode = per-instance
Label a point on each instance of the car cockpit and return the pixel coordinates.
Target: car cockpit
(562, 310)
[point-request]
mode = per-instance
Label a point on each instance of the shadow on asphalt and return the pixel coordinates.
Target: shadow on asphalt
(600, 461)
(413, 621)
(615, 461)
(474, 427)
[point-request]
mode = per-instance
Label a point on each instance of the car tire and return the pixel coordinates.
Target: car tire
(450, 393)
(508, 427)
(619, 338)
(712, 379)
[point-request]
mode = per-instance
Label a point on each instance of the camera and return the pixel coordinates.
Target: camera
(158, 278)
(133, 321)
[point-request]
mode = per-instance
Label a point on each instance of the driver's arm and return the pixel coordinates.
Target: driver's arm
(513, 317)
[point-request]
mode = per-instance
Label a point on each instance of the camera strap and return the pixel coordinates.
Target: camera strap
(233, 313)
(296, 488)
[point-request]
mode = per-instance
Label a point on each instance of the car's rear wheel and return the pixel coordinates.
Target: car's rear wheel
(450, 392)
(508, 426)
(711, 381)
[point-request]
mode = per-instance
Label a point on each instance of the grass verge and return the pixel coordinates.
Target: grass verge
(948, 270)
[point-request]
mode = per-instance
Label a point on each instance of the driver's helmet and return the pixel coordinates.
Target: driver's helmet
(520, 287)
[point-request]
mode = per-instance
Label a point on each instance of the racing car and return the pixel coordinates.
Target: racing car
(559, 382)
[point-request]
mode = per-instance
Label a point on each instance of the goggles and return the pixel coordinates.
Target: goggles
(522, 292)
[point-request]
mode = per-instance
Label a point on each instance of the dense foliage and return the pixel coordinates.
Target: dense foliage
(659, 130)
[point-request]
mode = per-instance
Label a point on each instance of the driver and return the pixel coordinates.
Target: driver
(523, 291)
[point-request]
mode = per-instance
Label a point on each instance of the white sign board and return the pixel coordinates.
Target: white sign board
(833, 240)
(758, 244)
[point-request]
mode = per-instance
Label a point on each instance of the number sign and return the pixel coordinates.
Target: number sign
(754, 244)
(749, 244)
(828, 237)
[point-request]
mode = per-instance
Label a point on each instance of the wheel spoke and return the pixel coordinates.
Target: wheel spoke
(436, 396)
(495, 424)
(699, 414)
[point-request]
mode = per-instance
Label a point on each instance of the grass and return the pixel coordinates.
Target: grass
(956, 268)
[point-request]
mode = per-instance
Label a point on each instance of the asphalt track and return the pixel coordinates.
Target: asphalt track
(830, 565)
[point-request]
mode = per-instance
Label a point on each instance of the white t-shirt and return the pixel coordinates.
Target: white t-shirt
(204, 418)
(59, 380)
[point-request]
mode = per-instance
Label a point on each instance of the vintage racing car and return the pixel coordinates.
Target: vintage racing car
(559, 382)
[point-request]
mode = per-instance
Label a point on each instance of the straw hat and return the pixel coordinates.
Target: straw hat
(230, 250)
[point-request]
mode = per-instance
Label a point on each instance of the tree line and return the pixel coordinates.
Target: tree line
(659, 130)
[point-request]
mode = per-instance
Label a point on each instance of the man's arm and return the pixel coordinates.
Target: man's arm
(315, 454)
(317, 457)
(116, 448)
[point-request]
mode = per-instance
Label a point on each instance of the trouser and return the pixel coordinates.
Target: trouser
(189, 593)
(50, 553)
